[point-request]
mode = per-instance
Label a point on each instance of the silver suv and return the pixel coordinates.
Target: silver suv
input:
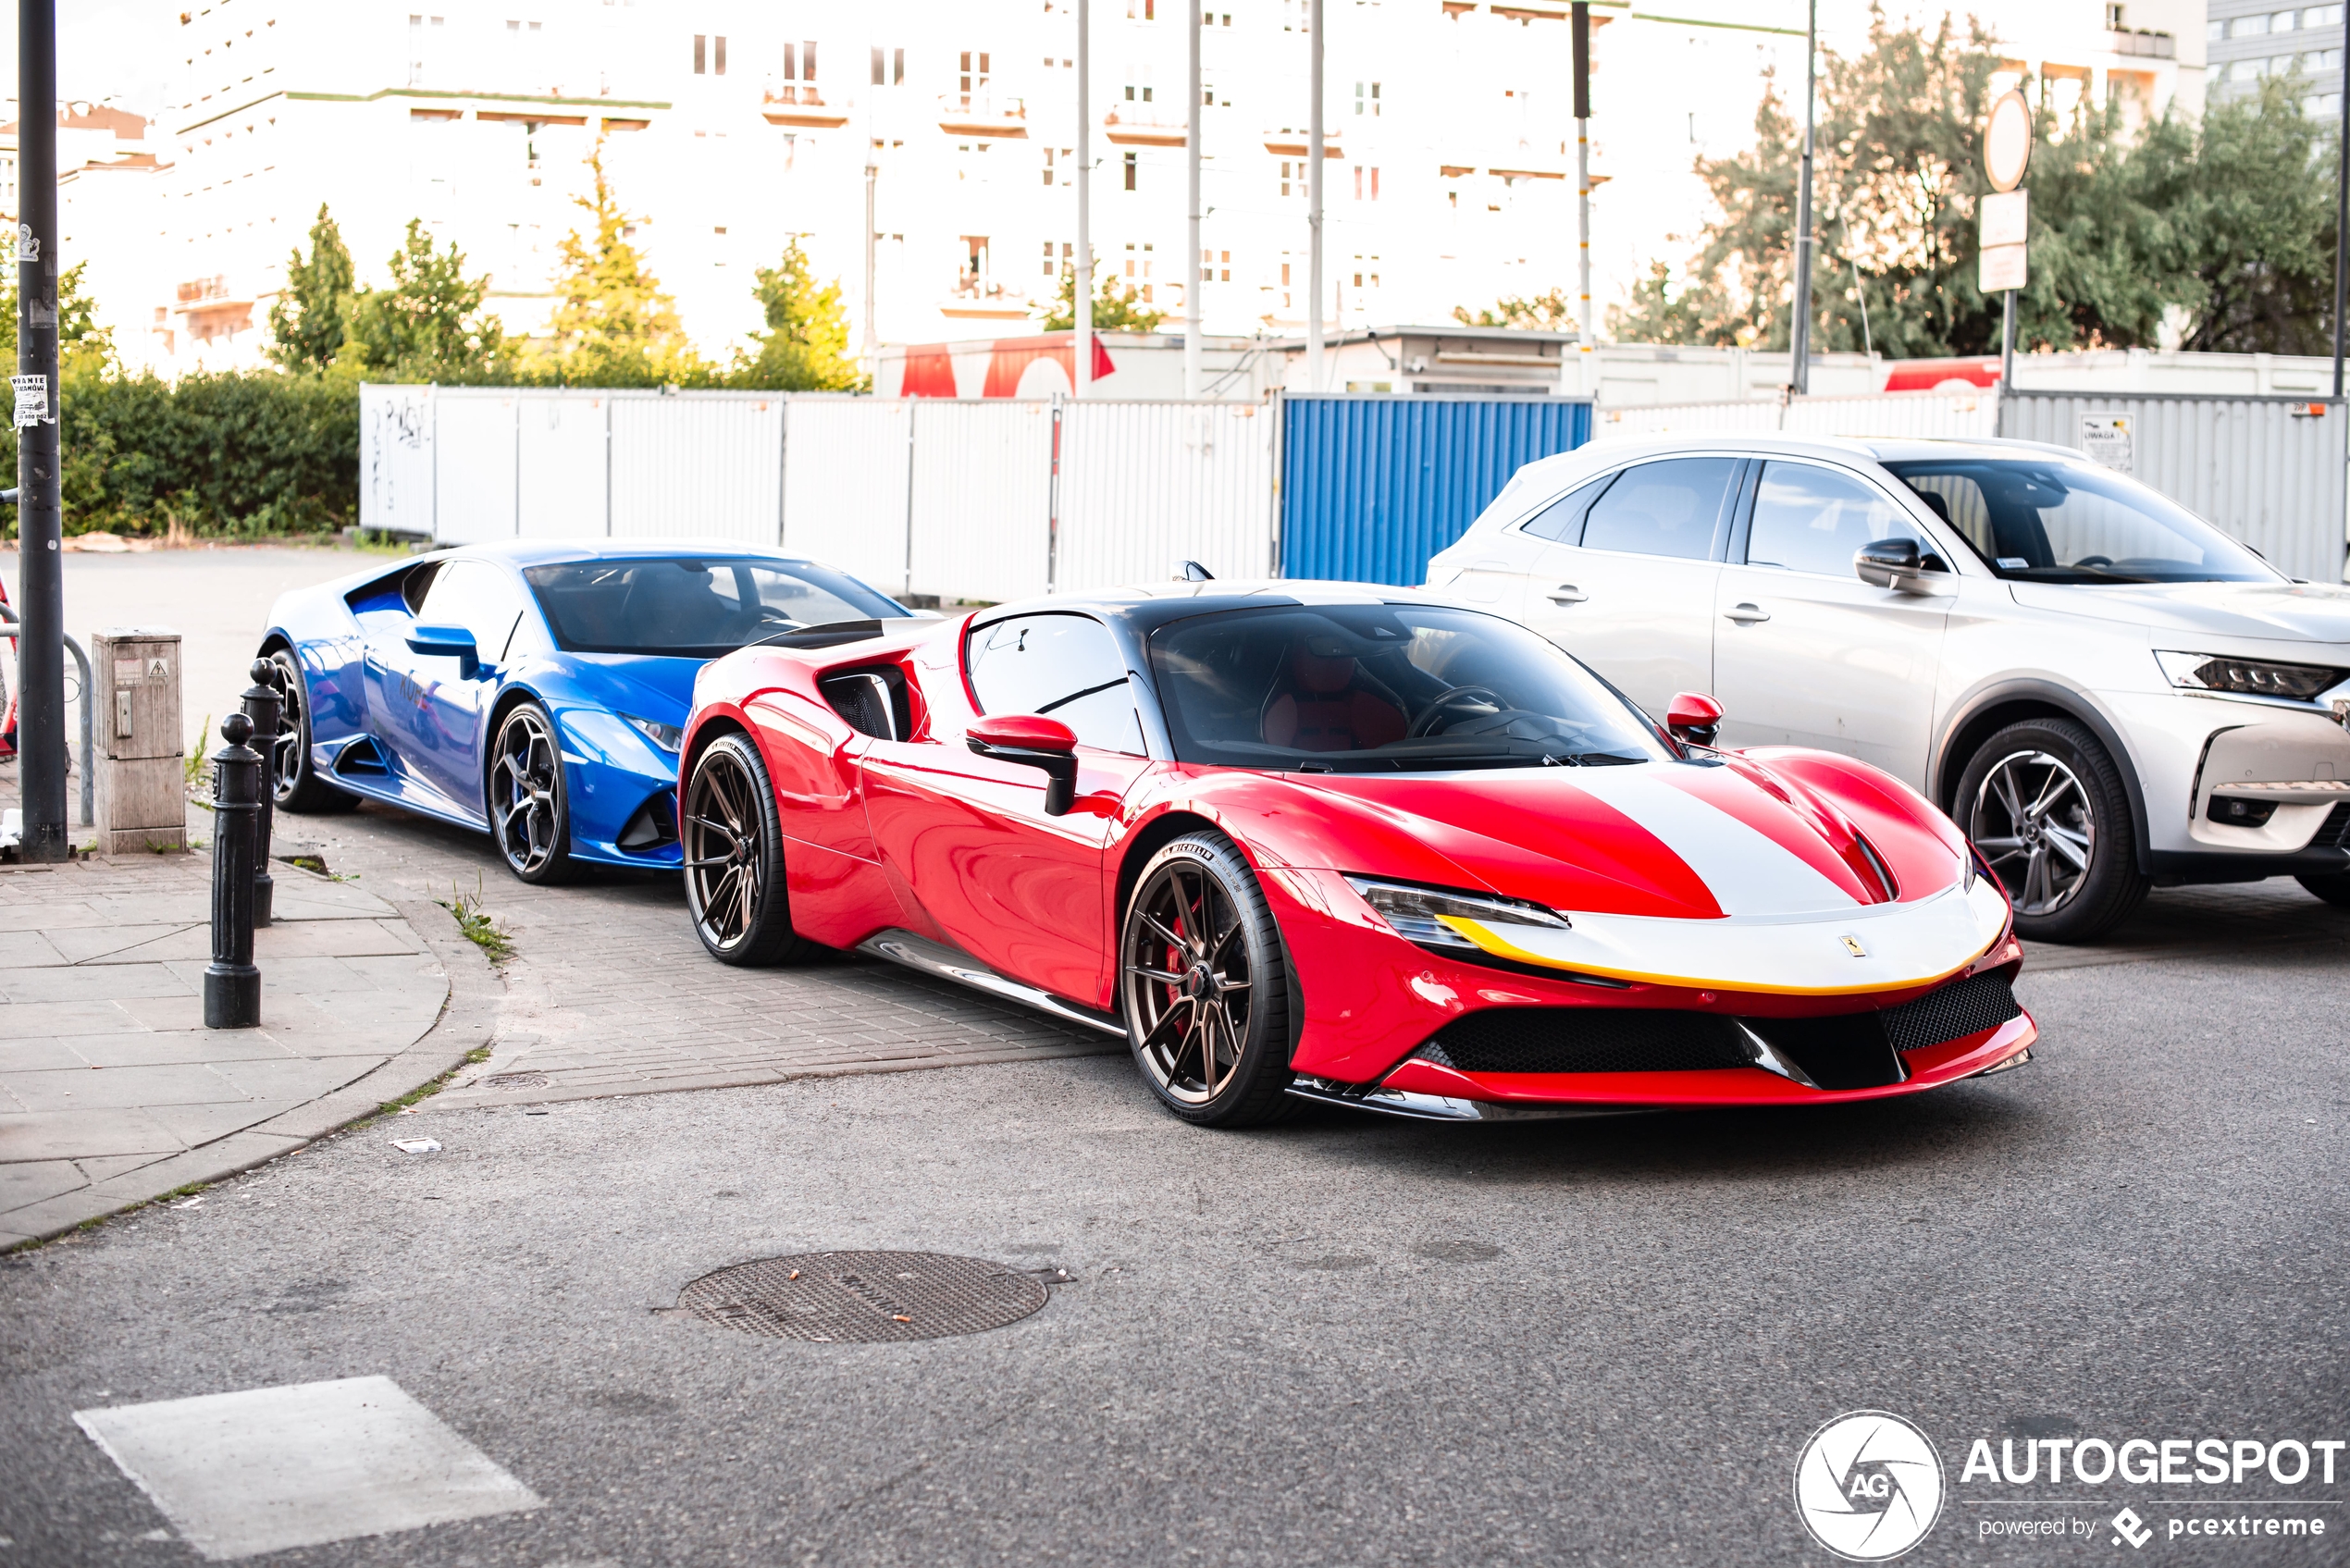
(2105, 691)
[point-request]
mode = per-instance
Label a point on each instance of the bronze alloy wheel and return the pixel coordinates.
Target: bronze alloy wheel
(2037, 828)
(733, 843)
(1203, 986)
(526, 796)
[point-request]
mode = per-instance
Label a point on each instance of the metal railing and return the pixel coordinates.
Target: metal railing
(82, 665)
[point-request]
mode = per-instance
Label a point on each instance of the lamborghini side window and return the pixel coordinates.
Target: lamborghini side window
(478, 598)
(1065, 667)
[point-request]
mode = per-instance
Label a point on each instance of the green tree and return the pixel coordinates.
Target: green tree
(1544, 312)
(614, 325)
(428, 326)
(309, 317)
(83, 344)
(805, 348)
(1117, 307)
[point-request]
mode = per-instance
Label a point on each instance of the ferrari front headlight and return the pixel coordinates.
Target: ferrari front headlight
(2254, 677)
(1419, 914)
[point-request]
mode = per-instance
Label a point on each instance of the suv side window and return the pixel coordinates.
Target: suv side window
(1812, 519)
(1562, 521)
(478, 598)
(1065, 667)
(1676, 508)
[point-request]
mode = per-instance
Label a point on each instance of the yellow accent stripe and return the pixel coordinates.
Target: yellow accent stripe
(1502, 947)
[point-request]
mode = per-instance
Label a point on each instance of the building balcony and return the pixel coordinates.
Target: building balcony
(1291, 144)
(1143, 126)
(976, 295)
(2155, 45)
(801, 104)
(982, 114)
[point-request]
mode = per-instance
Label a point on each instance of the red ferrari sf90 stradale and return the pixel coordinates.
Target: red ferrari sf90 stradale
(1349, 844)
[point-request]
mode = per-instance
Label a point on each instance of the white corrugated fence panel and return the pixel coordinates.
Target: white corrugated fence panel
(395, 458)
(473, 466)
(845, 485)
(1147, 485)
(698, 466)
(982, 498)
(560, 441)
(2268, 470)
(1960, 415)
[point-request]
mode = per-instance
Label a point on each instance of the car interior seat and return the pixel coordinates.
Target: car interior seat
(1324, 701)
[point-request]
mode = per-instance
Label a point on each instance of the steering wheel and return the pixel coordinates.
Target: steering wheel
(2094, 560)
(1419, 725)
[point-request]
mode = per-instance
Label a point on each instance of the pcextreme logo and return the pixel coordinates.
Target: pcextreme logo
(1868, 1485)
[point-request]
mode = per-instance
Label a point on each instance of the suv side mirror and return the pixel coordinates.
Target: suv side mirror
(1893, 563)
(1694, 718)
(1033, 741)
(446, 642)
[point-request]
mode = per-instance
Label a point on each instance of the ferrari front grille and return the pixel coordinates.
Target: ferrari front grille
(1846, 1051)
(1584, 1040)
(1963, 1006)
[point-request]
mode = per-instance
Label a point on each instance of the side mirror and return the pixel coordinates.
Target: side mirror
(1032, 741)
(1892, 564)
(1694, 718)
(446, 642)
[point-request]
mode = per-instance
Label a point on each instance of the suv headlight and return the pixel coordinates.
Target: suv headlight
(2254, 677)
(666, 736)
(1419, 913)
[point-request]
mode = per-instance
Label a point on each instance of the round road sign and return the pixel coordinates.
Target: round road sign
(2006, 142)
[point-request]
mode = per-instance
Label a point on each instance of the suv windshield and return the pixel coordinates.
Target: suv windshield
(2044, 520)
(692, 608)
(1384, 687)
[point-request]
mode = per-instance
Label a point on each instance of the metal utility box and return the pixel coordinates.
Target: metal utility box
(142, 797)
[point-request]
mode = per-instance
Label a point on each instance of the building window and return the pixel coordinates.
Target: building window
(1067, 259)
(1142, 10)
(799, 69)
(972, 76)
(1370, 97)
(1132, 167)
(2113, 22)
(701, 56)
(423, 39)
(1210, 267)
(889, 66)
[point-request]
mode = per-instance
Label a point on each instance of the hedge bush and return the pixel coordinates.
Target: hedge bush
(244, 453)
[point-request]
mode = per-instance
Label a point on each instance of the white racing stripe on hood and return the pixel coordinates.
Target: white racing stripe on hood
(1745, 870)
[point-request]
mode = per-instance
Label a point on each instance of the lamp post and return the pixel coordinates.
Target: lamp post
(1082, 284)
(1194, 271)
(1314, 200)
(1584, 336)
(41, 725)
(1799, 339)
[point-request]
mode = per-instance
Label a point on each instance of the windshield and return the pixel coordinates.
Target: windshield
(690, 607)
(2049, 521)
(1384, 687)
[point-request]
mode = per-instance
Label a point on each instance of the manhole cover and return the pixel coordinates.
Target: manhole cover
(516, 1081)
(863, 1296)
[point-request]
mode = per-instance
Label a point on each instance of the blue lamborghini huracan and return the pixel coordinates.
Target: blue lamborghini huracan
(533, 691)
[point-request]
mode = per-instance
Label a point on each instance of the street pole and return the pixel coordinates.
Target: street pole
(1082, 285)
(1192, 301)
(2006, 342)
(2341, 222)
(41, 725)
(1584, 336)
(872, 171)
(1799, 339)
(1314, 201)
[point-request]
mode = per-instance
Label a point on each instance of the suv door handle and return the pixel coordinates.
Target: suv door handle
(1747, 614)
(1566, 593)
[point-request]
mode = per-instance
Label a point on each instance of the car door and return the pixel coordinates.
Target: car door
(1628, 584)
(438, 734)
(1805, 653)
(967, 837)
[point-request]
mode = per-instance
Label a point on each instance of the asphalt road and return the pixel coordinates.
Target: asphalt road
(1342, 1341)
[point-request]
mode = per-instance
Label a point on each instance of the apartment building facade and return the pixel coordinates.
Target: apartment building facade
(728, 128)
(2251, 41)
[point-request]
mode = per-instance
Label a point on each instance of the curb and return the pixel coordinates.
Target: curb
(468, 1020)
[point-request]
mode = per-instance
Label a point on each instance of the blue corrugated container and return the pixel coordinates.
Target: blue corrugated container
(1371, 486)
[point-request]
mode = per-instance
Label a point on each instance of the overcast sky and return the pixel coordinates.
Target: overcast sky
(118, 50)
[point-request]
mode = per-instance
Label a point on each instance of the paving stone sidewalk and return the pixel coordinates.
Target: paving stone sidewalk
(112, 1091)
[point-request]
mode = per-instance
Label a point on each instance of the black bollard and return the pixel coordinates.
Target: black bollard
(263, 702)
(232, 984)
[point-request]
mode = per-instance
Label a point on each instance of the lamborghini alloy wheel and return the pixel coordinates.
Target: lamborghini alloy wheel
(294, 784)
(1203, 986)
(734, 859)
(2047, 809)
(528, 812)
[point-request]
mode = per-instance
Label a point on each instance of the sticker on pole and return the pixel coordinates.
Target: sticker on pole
(33, 400)
(2105, 438)
(28, 243)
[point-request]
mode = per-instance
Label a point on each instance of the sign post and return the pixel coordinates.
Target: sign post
(2000, 251)
(41, 666)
